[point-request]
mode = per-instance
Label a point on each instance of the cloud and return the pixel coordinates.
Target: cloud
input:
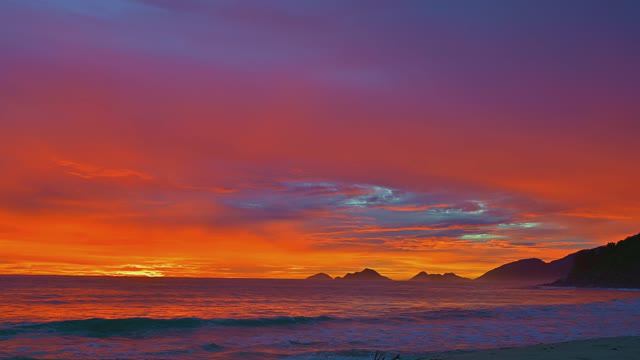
(366, 213)
(481, 237)
(86, 171)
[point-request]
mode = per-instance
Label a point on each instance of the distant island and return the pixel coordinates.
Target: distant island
(424, 276)
(612, 265)
(366, 274)
(370, 274)
(320, 276)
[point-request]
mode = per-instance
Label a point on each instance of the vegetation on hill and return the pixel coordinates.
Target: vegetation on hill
(612, 265)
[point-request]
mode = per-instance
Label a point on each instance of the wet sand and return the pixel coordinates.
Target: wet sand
(616, 348)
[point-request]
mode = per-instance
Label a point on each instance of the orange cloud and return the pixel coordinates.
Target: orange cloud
(86, 171)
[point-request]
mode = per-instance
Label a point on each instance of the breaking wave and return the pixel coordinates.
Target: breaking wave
(138, 326)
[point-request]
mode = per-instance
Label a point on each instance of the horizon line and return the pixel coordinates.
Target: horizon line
(190, 277)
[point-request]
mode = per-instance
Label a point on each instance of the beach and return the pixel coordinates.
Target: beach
(614, 348)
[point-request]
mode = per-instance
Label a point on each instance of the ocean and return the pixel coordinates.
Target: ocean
(50, 317)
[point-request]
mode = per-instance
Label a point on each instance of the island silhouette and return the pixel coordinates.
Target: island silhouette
(365, 274)
(424, 276)
(320, 276)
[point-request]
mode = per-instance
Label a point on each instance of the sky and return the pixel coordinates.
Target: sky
(284, 138)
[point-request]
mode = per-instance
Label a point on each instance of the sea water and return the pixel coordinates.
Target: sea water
(48, 317)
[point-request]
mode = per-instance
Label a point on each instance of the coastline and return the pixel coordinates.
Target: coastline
(618, 348)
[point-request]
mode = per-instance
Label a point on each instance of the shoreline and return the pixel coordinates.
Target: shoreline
(612, 348)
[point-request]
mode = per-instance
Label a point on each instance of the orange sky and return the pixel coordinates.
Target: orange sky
(255, 140)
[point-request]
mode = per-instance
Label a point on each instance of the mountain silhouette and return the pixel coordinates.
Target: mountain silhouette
(424, 276)
(320, 276)
(613, 265)
(366, 274)
(531, 270)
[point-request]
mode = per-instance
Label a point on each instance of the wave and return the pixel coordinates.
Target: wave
(139, 326)
(143, 326)
(515, 312)
(443, 314)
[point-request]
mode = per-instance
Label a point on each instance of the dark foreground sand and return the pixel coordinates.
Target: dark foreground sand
(617, 348)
